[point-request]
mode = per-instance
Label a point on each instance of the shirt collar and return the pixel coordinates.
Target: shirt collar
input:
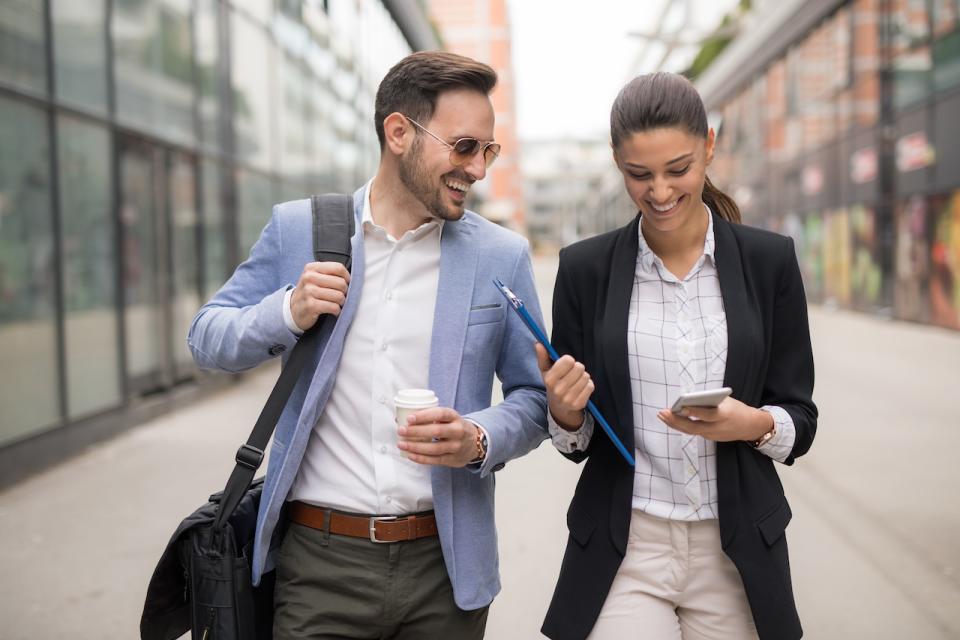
(646, 256)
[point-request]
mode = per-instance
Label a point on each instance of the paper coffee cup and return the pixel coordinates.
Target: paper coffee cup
(408, 401)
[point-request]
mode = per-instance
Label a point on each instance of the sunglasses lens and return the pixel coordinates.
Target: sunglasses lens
(463, 150)
(490, 153)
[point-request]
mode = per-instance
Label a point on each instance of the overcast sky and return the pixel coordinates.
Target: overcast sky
(571, 58)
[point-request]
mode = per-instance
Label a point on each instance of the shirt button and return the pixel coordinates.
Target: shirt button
(383, 347)
(383, 449)
(389, 295)
(382, 399)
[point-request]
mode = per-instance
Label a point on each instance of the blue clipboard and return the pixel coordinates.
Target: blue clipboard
(541, 337)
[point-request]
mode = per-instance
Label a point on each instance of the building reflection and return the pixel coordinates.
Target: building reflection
(142, 145)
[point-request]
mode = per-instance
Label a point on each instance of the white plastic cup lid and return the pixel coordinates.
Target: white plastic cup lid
(415, 398)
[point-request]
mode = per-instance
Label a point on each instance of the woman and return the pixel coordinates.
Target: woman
(690, 542)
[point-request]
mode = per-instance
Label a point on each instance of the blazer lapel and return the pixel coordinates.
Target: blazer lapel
(458, 265)
(742, 331)
(742, 335)
(613, 329)
(612, 335)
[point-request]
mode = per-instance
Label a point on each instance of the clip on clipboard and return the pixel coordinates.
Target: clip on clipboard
(541, 337)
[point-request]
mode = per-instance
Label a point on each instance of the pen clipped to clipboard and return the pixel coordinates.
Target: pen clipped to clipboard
(541, 337)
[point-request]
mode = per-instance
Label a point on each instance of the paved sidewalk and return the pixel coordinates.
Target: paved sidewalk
(872, 539)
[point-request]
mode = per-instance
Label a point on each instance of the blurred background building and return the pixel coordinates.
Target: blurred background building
(142, 144)
(562, 179)
(572, 187)
(837, 124)
(839, 128)
(480, 29)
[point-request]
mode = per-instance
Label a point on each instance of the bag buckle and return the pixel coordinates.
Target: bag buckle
(249, 456)
(373, 528)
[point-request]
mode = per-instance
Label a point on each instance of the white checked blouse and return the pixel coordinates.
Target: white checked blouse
(676, 343)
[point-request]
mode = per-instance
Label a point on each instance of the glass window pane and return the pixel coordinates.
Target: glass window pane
(186, 264)
(944, 266)
(80, 58)
(28, 377)
(294, 129)
(946, 61)
(208, 58)
(255, 200)
(23, 54)
(89, 267)
(323, 146)
(153, 66)
(252, 56)
(945, 16)
(214, 232)
(910, 49)
(911, 265)
(140, 218)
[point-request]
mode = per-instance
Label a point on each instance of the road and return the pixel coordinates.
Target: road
(872, 539)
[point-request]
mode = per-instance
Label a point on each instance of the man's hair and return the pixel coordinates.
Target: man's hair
(413, 84)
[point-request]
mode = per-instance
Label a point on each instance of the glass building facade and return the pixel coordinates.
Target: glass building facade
(841, 130)
(142, 144)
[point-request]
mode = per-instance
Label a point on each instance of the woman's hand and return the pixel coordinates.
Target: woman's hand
(568, 388)
(731, 420)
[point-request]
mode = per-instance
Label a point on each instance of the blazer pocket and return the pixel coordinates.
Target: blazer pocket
(775, 523)
(486, 313)
(581, 525)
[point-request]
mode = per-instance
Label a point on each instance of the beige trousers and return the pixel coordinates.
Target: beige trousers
(675, 583)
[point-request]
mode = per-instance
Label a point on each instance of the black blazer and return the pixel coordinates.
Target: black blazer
(769, 361)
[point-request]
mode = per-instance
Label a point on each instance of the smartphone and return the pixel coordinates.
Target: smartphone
(708, 398)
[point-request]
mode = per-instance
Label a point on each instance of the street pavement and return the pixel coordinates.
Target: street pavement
(872, 540)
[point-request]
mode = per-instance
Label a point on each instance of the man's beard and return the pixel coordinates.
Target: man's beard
(415, 177)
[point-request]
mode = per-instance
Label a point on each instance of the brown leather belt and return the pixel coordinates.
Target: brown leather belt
(376, 528)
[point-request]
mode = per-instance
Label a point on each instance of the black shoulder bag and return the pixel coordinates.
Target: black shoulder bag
(203, 579)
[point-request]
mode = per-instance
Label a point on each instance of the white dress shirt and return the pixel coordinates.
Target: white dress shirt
(352, 462)
(676, 343)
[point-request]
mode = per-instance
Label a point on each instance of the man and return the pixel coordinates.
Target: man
(418, 311)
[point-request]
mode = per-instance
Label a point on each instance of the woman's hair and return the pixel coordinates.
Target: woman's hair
(661, 100)
(413, 85)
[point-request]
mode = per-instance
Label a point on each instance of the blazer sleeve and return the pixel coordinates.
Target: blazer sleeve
(242, 325)
(567, 336)
(789, 382)
(518, 424)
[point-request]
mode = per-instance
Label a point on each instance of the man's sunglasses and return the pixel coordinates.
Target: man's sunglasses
(464, 149)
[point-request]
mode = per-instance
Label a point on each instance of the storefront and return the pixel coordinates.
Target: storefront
(142, 143)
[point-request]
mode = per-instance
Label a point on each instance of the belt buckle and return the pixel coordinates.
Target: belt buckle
(373, 528)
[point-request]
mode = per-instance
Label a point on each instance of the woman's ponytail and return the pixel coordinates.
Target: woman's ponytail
(720, 202)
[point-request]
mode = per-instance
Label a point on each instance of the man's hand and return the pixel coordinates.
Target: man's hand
(568, 388)
(731, 420)
(438, 436)
(322, 288)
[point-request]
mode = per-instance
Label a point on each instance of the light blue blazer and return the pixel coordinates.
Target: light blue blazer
(474, 337)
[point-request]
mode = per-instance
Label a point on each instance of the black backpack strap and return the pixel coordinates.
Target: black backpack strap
(333, 226)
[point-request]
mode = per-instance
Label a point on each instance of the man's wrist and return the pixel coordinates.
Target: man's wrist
(480, 442)
(288, 314)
